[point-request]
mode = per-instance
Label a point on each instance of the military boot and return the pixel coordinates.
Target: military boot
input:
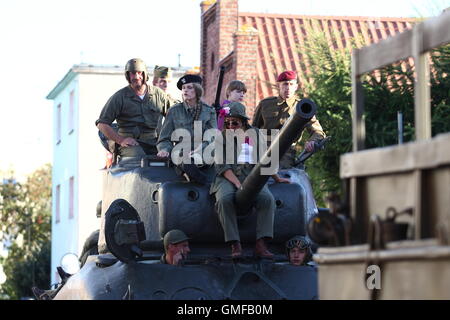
(236, 249)
(261, 249)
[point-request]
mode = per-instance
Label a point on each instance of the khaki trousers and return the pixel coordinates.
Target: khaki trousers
(265, 210)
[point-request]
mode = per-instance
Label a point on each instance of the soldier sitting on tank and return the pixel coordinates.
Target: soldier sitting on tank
(298, 251)
(229, 177)
(162, 76)
(273, 112)
(137, 109)
(176, 247)
(183, 116)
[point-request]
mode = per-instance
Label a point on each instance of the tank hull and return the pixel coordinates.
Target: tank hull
(151, 280)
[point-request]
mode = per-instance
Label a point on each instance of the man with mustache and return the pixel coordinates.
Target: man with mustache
(137, 108)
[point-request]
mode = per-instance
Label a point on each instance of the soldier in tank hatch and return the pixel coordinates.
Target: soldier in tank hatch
(176, 247)
(298, 251)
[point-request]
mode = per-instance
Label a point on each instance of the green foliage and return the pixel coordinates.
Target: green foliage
(24, 270)
(386, 92)
(25, 215)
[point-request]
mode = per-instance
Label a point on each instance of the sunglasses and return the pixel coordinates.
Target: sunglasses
(234, 123)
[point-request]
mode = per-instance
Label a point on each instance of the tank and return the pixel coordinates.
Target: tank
(145, 198)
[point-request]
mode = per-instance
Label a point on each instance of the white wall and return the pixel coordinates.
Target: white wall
(65, 166)
(95, 90)
(80, 154)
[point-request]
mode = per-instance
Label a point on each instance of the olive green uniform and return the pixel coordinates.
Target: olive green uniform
(273, 112)
(225, 192)
(137, 118)
(181, 116)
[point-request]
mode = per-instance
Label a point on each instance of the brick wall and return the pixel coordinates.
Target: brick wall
(219, 22)
(245, 57)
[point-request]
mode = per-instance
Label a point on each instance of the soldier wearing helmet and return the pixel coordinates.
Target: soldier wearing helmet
(176, 247)
(298, 251)
(137, 108)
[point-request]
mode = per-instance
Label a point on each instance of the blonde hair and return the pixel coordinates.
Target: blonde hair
(198, 90)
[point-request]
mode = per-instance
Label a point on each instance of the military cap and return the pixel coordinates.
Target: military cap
(162, 72)
(173, 237)
(235, 109)
(189, 78)
(287, 76)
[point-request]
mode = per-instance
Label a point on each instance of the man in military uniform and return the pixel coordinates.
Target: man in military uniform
(273, 112)
(137, 108)
(162, 76)
(176, 247)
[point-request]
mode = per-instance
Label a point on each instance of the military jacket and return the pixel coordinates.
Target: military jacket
(178, 117)
(136, 117)
(241, 170)
(273, 112)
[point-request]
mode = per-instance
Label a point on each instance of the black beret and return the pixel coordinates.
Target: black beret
(189, 78)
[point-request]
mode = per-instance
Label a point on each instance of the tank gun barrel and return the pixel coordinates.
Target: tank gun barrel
(291, 131)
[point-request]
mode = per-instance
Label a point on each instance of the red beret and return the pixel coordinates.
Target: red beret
(287, 76)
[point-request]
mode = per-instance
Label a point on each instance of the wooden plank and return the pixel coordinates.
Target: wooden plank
(418, 207)
(358, 125)
(436, 31)
(425, 154)
(385, 52)
(422, 98)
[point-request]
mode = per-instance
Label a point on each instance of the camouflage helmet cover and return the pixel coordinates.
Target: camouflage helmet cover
(134, 65)
(300, 242)
(162, 72)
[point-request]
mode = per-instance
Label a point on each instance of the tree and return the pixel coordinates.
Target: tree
(25, 213)
(386, 91)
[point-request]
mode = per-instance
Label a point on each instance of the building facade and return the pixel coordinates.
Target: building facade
(256, 47)
(78, 156)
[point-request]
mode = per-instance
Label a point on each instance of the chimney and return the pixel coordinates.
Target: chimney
(227, 15)
(205, 5)
(219, 23)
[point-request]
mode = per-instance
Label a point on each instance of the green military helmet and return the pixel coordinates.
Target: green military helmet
(134, 65)
(174, 236)
(236, 109)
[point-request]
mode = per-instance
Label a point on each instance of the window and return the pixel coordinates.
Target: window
(58, 204)
(58, 123)
(71, 111)
(71, 196)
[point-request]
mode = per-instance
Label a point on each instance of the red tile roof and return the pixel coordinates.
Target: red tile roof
(281, 38)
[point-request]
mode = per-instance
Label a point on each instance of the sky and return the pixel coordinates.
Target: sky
(41, 40)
